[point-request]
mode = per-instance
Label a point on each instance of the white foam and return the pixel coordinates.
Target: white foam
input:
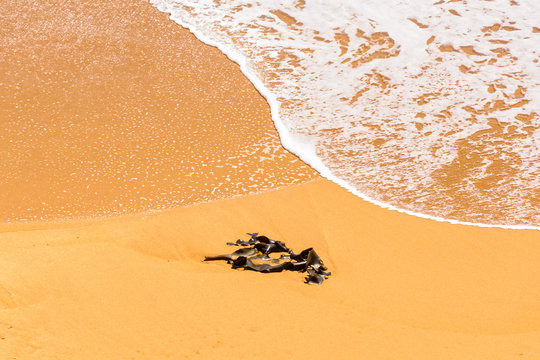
(254, 36)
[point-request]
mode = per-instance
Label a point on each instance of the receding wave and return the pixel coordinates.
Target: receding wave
(111, 109)
(429, 108)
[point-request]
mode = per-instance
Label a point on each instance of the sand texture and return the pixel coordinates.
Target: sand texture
(135, 286)
(402, 287)
(113, 108)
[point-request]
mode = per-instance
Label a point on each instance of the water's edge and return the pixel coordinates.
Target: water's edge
(306, 154)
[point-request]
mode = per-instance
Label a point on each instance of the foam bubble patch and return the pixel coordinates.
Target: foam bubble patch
(429, 109)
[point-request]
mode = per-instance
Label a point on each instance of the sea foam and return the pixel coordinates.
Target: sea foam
(429, 109)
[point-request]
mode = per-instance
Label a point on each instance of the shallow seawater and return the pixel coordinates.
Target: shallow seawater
(110, 108)
(432, 108)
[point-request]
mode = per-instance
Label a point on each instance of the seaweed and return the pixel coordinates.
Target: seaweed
(254, 256)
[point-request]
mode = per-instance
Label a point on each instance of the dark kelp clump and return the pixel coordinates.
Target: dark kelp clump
(254, 255)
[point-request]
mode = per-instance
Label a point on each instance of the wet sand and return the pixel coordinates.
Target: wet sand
(114, 109)
(136, 287)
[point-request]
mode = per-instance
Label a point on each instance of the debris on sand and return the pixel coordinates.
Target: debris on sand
(255, 255)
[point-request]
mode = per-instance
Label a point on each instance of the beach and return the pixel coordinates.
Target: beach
(401, 286)
(83, 277)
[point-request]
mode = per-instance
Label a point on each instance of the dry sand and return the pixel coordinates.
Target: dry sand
(135, 287)
(402, 287)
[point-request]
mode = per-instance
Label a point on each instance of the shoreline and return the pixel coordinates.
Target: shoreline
(150, 118)
(136, 286)
(7, 227)
(307, 153)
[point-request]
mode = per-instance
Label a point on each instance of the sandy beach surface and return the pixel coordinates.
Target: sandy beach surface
(402, 287)
(135, 286)
(113, 109)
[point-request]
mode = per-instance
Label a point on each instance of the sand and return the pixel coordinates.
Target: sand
(113, 109)
(402, 287)
(135, 287)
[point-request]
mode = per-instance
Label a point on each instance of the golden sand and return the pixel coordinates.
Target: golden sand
(111, 109)
(402, 287)
(135, 287)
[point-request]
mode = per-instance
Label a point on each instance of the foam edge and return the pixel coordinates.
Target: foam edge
(307, 153)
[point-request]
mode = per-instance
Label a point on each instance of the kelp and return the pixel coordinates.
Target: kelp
(254, 255)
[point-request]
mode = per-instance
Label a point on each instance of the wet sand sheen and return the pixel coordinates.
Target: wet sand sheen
(111, 109)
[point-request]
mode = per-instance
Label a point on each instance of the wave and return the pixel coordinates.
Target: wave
(428, 109)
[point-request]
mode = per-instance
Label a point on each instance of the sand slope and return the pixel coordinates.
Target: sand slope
(402, 287)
